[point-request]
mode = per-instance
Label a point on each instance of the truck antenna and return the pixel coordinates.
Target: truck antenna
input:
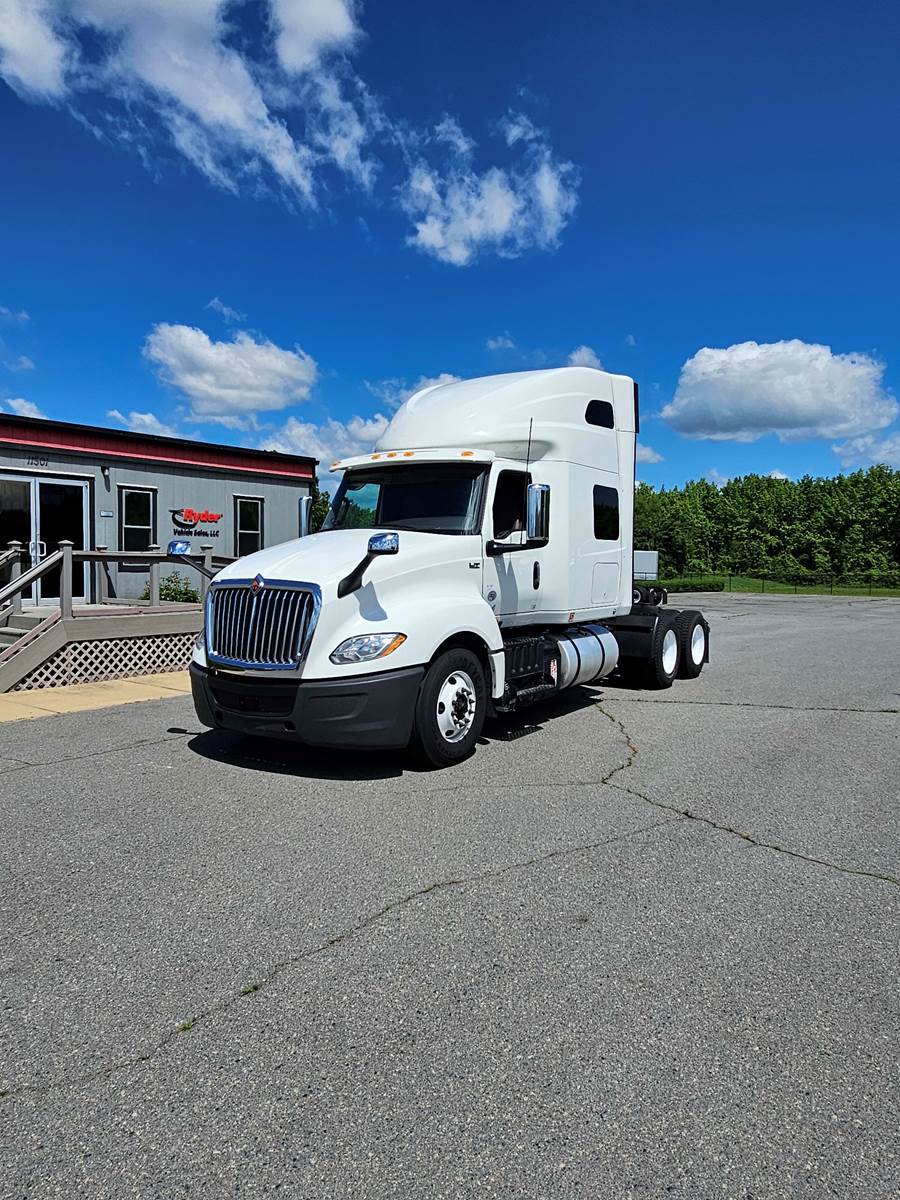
(528, 451)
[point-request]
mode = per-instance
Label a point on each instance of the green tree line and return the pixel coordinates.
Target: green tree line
(801, 531)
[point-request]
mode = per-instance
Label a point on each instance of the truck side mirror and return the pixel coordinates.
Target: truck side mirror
(538, 512)
(384, 543)
(305, 509)
(379, 543)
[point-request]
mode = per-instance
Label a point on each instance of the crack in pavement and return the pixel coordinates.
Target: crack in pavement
(689, 815)
(673, 814)
(754, 704)
(25, 765)
(337, 939)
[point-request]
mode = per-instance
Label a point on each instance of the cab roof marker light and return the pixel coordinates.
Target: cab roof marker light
(374, 456)
(391, 454)
(408, 453)
(467, 454)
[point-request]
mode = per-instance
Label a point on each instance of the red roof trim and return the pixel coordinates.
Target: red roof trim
(189, 454)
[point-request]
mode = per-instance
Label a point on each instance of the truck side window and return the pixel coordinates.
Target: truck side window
(606, 514)
(600, 412)
(509, 503)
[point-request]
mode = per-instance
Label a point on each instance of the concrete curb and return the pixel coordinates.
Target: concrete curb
(81, 697)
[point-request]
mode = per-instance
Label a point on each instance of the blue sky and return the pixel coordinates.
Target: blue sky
(264, 223)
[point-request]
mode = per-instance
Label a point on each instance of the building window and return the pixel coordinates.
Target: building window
(137, 524)
(510, 501)
(248, 525)
(606, 514)
(600, 412)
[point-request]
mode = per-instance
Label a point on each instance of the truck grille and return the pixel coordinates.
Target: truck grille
(268, 628)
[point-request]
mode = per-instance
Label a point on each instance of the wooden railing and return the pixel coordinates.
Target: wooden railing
(206, 563)
(20, 580)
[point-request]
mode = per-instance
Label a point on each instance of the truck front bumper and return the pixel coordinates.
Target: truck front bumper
(365, 711)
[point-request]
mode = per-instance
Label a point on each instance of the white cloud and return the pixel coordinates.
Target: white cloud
(502, 342)
(306, 30)
(339, 126)
(777, 473)
(328, 441)
(275, 112)
(792, 389)
(8, 314)
(229, 382)
(584, 356)
(24, 408)
(646, 454)
(450, 131)
(231, 315)
(459, 212)
(22, 363)
(143, 422)
(394, 392)
(33, 57)
(630, 339)
(867, 450)
(171, 59)
(717, 477)
(517, 127)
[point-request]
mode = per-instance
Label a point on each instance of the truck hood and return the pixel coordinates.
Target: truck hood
(325, 558)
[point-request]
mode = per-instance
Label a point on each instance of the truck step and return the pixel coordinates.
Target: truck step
(527, 695)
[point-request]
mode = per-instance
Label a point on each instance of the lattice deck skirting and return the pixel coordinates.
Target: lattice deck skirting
(112, 658)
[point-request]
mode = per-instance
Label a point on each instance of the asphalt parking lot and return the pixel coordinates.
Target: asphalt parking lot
(640, 945)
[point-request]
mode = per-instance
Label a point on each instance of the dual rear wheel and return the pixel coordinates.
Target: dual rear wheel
(678, 650)
(693, 637)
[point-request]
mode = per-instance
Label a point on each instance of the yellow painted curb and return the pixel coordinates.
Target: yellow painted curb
(82, 697)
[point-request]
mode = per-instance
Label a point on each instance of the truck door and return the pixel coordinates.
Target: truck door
(512, 578)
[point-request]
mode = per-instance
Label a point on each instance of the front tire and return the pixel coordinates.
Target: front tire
(450, 709)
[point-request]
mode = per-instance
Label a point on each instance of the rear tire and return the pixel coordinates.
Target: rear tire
(693, 638)
(661, 670)
(450, 709)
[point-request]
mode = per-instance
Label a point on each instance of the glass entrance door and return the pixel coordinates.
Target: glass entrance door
(60, 515)
(16, 522)
(40, 513)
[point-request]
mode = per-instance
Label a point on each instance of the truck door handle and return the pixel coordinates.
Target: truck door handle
(536, 576)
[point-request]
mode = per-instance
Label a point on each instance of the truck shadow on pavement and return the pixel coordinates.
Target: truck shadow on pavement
(313, 762)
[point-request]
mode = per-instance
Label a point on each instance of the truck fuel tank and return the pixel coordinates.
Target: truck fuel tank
(586, 653)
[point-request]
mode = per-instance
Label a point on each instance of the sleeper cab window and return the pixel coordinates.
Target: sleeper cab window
(135, 519)
(600, 412)
(510, 501)
(606, 514)
(248, 525)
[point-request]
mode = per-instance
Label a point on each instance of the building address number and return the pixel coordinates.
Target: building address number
(37, 460)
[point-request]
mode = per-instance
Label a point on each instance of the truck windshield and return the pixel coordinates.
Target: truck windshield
(427, 497)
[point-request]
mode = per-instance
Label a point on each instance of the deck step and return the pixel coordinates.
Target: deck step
(25, 620)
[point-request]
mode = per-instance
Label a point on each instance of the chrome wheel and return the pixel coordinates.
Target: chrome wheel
(456, 706)
(670, 651)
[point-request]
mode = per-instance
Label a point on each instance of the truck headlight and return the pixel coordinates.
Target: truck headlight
(366, 646)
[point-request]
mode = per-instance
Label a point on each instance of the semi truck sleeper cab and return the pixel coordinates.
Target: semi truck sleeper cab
(477, 560)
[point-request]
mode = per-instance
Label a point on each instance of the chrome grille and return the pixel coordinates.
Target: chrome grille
(269, 628)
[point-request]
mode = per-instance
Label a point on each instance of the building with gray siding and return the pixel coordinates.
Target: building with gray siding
(128, 491)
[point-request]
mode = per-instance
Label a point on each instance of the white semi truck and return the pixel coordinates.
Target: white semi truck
(477, 560)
